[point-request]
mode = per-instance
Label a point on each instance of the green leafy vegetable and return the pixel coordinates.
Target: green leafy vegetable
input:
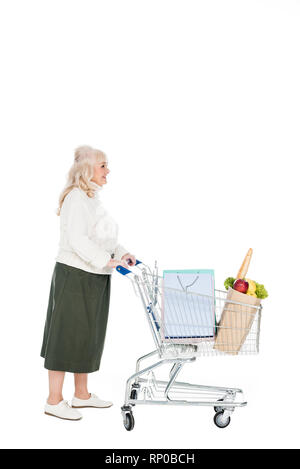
(229, 282)
(260, 291)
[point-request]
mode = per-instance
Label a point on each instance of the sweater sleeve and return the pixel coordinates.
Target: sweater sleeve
(77, 232)
(120, 251)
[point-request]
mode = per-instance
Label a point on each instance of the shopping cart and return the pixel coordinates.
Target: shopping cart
(236, 330)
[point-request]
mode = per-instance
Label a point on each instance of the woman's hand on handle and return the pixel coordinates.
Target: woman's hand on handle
(115, 262)
(129, 258)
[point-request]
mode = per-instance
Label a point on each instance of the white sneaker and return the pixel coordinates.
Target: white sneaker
(93, 401)
(62, 411)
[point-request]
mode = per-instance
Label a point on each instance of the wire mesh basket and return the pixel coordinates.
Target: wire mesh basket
(186, 323)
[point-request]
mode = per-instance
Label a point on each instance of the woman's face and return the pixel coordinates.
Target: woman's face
(100, 172)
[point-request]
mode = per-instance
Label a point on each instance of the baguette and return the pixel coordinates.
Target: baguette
(245, 265)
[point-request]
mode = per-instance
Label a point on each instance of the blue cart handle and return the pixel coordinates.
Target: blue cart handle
(125, 271)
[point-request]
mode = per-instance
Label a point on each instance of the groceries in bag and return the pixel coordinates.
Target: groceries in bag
(243, 300)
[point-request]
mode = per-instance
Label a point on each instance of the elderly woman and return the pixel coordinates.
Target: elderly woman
(80, 289)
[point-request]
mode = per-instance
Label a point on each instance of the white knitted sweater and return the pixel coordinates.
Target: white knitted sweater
(88, 235)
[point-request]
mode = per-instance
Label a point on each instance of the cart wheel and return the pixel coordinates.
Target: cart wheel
(219, 409)
(219, 420)
(133, 394)
(129, 421)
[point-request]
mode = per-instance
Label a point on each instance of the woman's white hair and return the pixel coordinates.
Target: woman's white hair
(81, 172)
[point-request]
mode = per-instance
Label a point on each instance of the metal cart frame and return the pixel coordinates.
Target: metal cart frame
(142, 387)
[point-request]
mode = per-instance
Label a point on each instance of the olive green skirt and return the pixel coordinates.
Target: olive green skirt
(76, 320)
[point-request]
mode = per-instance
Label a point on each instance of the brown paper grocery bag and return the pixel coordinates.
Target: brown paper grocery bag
(236, 322)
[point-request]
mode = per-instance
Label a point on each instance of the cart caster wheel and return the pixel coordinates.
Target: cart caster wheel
(129, 421)
(219, 409)
(220, 421)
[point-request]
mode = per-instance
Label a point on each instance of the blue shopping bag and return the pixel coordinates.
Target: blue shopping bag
(188, 305)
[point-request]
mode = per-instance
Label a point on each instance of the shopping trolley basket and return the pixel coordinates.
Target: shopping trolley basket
(200, 325)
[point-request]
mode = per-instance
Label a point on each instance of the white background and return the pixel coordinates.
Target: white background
(196, 104)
